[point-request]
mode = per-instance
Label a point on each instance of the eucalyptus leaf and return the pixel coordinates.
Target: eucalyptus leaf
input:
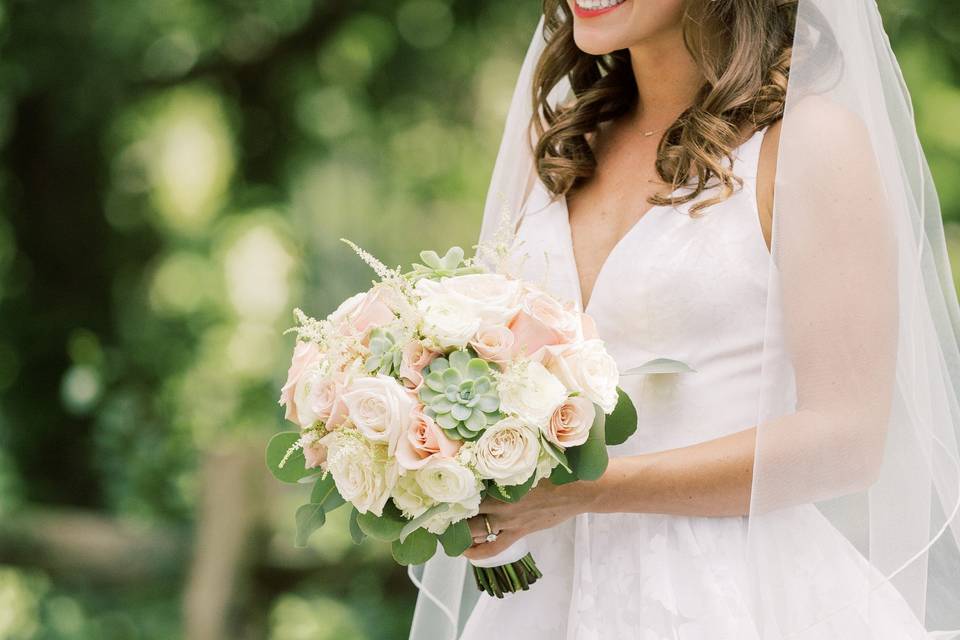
(386, 527)
(294, 469)
(511, 493)
(355, 531)
(418, 522)
(456, 538)
(562, 476)
(659, 365)
(418, 547)
(554, 452)
(325, 492)
(622, 423)
(309, 517)
(590, 459)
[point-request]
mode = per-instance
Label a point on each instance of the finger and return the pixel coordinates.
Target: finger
(488, 549)
(478, 530)
(492, 505)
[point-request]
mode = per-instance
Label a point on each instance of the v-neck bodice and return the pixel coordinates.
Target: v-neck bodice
(690, 288)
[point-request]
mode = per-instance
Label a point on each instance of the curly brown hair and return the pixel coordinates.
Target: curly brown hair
(745, 67)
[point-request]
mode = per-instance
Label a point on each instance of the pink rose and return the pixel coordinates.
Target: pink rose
(360, 312)
(315, 453)
(318, 397)
(570, 424)
(415, 358)
(494, 343)
(423, 440)
(542, 322)
(304, 355)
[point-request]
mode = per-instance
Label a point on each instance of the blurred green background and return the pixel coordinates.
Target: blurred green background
(175, 177)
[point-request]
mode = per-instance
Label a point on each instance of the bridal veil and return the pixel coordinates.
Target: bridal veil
(857, 402)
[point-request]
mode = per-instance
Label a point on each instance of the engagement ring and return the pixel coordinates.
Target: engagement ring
(491, 536)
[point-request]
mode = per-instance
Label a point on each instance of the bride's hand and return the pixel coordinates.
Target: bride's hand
(545, 506)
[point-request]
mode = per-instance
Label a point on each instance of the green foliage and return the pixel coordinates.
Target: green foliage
(417, 548)
(456, 538)
(386, 527)
(280, 451)
(622, 423)
(420, 520)
(511, 493)
(309, 518)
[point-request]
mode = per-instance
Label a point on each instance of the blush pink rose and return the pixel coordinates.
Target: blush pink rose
(423, 440)
(494, 343)
(570, 424)
(364, 311)
(315, 454)
(304, 355)
(322, 401)
(542, 322)
(415, 358)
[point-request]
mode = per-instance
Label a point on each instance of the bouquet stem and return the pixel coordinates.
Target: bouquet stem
(507, 578)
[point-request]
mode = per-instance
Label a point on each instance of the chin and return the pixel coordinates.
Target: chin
(604, 26)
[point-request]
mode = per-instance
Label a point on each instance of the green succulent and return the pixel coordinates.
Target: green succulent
(460, 393)
(435, 267)
(385, 354)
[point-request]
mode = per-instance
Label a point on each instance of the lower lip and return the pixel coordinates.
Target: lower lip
(580, 12)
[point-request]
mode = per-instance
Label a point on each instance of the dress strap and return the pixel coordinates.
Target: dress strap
(747, 156)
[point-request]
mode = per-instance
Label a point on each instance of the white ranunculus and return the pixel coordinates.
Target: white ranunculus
(363, 473)
(455, 513)
(588, 369)
(409, 496)
(380, 408)
(507, 452)
(530, 392)
(446, 319)
(494, 296)
(446, 480)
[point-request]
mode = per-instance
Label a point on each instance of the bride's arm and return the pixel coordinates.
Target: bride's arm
(837, 264)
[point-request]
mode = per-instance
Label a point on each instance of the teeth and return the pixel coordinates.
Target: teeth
(597, 4)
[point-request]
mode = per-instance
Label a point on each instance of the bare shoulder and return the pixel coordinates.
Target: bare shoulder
(827, 142)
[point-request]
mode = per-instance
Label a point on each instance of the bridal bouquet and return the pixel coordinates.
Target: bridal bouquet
(438, 387)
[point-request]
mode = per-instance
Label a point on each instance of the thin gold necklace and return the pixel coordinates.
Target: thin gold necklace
(647, 134)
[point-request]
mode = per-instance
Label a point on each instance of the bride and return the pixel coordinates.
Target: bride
(735, 184)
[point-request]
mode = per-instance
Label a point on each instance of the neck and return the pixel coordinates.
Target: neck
(667, 79)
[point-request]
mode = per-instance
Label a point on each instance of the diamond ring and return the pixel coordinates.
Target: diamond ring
(491, 536)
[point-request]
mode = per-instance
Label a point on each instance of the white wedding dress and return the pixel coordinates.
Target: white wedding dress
(693, 289)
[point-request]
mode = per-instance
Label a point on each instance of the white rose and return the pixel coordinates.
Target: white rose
(446, 318)
(363, 473)
(456, 512)
(446, 480)
(495, 297)
(409, 496)
(507, 452)
(588, 369)
(530, 392)
(380, 408)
